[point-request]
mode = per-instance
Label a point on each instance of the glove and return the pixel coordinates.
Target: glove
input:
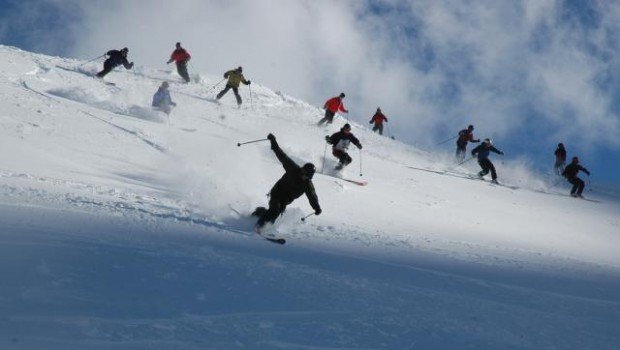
(249, 82)
(318, 212)
(501, 153)
(359, 146)
(131, 65)
(370, 122)
(328, 139)
(173, 103)
(271, 138)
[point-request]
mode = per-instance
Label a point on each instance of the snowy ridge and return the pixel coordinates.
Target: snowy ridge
(142, 201)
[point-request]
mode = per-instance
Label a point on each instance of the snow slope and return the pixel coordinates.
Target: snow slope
(116, 230)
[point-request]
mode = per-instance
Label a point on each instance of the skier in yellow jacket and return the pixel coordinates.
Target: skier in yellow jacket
(235, 77)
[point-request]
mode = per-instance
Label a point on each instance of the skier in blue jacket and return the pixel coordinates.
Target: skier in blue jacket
(162, 100)
(483, 151)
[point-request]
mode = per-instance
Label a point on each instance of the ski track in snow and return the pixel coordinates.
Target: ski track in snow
(116, 231)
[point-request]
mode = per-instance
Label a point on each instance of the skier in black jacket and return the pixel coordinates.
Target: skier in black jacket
(483, 151)
(340, 143)
(295, 182)
(570, 173)
(116, 59)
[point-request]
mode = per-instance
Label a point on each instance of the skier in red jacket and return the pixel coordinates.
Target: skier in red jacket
(181, 57)
(332, 106)
(378, 119)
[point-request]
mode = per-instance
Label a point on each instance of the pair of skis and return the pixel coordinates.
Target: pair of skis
(270, 239)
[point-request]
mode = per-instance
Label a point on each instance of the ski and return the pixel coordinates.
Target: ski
(270, 239)
(462, 176)
(359, 183)
(274, 240)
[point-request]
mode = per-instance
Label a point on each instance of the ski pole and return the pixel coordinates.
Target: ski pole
(216, 85)
(360, 161)
(442, 142)
(96, 58)
(245, 143)
(324, 155)
(307, 216)
(589, 184)
(466, 160)
(555, 184)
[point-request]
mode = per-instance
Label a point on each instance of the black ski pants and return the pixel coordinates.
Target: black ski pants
(578, 185)
(182, 70)
(107, 68)
(559, 167)
(342, 156)
(235, 89)
(378, 127)
(461, 149)
(329, 117)
(276, 208)
(487, 166)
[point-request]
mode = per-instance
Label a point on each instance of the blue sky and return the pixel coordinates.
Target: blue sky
(529, 74)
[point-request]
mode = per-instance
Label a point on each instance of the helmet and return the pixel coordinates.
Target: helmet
(124, 49)
(309, 169)
(575, 160)
(165, 84)
(347, 126)
(178, 45)
(561, 145)
(470, 127)
(489, 141)
(341, 95)
(240, 69)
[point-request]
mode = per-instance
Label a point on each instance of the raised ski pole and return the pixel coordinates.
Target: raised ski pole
(307, 216)
(444, 141)
(96, 58)
(245, 143)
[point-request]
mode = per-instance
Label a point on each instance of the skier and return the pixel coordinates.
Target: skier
(182, 57)
(332, 106)
(116, 59)
(570, 173)
(378, 119)
(560, 159)
(483, 150)
(235, 77)
(465, 136)
(295, 182)
(340, 142)
(162, 100)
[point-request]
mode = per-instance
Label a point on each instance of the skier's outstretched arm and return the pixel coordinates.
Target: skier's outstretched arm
(496, 150)
(287, 162)
(126, 64)
(356, 141)
(313, 199)
(584, 170)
